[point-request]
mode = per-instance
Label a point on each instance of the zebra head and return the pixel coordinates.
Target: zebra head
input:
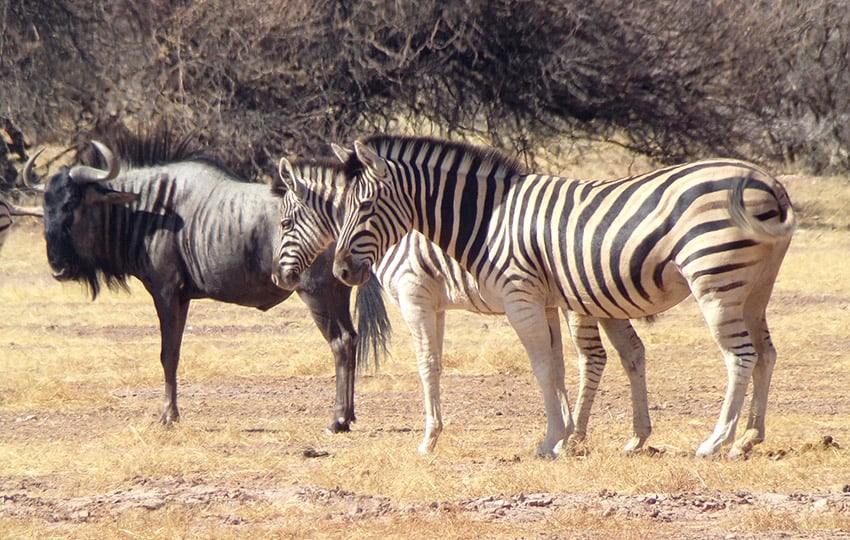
(377, 214)
(310, 192)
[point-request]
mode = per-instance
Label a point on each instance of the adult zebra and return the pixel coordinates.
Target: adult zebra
(425, 283)
(633, 247)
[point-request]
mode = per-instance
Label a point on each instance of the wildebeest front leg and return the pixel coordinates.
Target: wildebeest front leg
(334, 321)
(329, 301)
(172, 321)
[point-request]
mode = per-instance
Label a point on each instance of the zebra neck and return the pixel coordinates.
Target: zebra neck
(456, 213)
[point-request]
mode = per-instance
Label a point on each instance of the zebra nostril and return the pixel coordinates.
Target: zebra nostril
(342, 265)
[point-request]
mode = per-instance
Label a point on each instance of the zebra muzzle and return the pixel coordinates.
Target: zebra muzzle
(286, 279)
(350, 271)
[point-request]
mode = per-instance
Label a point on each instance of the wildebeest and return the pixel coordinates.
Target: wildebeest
(189, 229)
(7, 211)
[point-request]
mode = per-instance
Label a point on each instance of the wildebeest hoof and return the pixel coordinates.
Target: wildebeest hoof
(167, 419)
(339, 427)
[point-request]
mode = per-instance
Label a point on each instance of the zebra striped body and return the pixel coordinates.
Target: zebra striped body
(7, 210)
(425, 283)
(627, 248)
(5, 221)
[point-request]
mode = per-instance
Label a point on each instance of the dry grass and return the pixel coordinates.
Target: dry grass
(83, 457)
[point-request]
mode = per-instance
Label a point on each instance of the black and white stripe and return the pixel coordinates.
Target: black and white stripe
(425, 282)
(627, 248)
(7, 211)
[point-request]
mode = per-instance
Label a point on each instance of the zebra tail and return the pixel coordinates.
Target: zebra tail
(373, 324)
(750, 224)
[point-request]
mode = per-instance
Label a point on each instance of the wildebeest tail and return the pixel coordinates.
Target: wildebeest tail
(752, 224)
(373, 325)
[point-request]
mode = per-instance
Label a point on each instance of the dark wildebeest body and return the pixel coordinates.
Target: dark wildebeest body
(187, 230)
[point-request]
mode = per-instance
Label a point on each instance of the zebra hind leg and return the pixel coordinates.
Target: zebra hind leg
(755, 311)
(732, 335)
(558, 370)
(633, 358)
(762, 373)
(592, 358)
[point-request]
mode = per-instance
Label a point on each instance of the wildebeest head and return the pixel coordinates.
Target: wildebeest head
(75, 199)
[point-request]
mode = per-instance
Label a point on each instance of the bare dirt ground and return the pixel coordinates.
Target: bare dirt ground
(221, 501)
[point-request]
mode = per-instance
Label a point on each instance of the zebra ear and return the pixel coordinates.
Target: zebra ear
(372, 160)
(342, 154)
(287, 179)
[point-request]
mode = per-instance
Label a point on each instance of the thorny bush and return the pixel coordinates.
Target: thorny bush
(674, 80)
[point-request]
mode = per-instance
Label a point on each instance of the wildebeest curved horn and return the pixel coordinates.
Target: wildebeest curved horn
(27, 172)
(84, 174)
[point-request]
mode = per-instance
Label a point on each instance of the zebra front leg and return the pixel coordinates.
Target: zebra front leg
(633, 357)
(591, 363)
(426, 326)
(539, 330)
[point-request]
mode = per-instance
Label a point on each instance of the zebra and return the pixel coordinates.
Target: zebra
(424, 282)
(9, 210)
(625, 248)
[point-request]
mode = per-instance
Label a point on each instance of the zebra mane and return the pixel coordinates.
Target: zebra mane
(393, 147)
(330, 169)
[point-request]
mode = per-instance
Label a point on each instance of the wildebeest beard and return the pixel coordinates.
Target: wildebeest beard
(61, 200)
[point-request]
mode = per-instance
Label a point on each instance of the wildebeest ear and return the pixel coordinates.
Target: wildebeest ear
(111, 197)
(371, 160)
(342, 154)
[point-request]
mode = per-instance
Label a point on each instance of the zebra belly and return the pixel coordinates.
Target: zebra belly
(611, 300)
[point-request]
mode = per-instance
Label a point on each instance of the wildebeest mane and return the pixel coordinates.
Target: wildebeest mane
(147, 145)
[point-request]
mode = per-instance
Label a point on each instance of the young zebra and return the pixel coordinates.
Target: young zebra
(7, 210)
(425, 282)
(627, 248)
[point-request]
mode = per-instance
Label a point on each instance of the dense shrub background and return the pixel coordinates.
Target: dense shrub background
(767, 80)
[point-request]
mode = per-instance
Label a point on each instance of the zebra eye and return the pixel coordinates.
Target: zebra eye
(366, 206)
(285, 224)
